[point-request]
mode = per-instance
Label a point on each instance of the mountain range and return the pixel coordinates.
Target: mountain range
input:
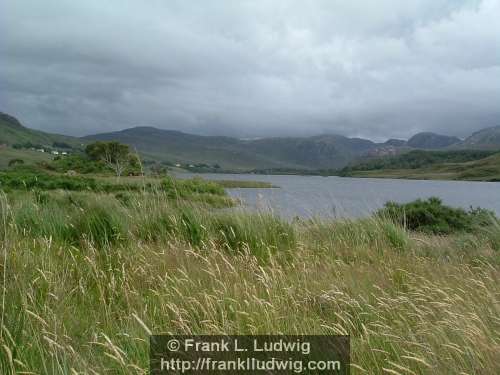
(326, 151)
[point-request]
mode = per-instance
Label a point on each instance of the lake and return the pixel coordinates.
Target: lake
(307, 196)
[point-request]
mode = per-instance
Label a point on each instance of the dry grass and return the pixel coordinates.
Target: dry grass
(412, 304)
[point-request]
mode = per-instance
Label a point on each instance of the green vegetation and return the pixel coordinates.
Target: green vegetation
(88, 276)
(29, 157)
(13, 132)
(449, 165)
(431, 216)
(28, 178)
(91, 265)
(115, 156)
(418, 159)
(194, 190)
(98, 158)
(78, 163)
(176, 188)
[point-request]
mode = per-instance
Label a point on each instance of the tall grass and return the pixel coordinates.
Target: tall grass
(87, 277)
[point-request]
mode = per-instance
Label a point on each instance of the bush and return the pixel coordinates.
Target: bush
(431, 216)
(79, 163)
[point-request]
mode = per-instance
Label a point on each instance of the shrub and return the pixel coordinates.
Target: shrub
(27, 179)
(431, 216)
(80, 164)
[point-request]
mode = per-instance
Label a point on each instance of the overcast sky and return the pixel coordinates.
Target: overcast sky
(376, 69)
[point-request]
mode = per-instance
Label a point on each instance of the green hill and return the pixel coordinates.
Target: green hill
(477, 165)
(13, 132)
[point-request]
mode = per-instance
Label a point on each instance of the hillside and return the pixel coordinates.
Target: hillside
(309, 153)
(471, 165)
(431, 141)
(322, 152)
(27, 156)
(13, 132)
(488, 138)
(325, 151)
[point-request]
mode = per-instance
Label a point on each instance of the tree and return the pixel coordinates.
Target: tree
(114, 154)
(134, 167)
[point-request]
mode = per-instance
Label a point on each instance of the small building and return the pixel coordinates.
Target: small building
(55, 152)
(41, 150)
(178, 165)
(64, 153)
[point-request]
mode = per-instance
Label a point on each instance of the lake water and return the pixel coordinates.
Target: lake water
(308, 196)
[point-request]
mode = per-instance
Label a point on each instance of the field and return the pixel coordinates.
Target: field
(88, 275)
(29, 157)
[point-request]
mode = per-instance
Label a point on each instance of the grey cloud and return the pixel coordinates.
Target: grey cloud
(252, 68)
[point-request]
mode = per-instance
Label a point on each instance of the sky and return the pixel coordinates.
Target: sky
(374, 69)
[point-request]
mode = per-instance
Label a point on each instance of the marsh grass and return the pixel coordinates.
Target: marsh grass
(87, 277)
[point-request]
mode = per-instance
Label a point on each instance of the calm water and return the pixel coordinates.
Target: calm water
(307, 196)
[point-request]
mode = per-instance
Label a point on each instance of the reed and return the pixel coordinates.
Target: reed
(86, 277)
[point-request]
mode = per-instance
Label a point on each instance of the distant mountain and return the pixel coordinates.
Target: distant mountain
(395, 142)
(12, 132)
(319, 152)
(326, 151)
(431, 141)
(488, 138)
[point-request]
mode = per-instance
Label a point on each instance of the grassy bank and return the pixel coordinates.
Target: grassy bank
(88, 276)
